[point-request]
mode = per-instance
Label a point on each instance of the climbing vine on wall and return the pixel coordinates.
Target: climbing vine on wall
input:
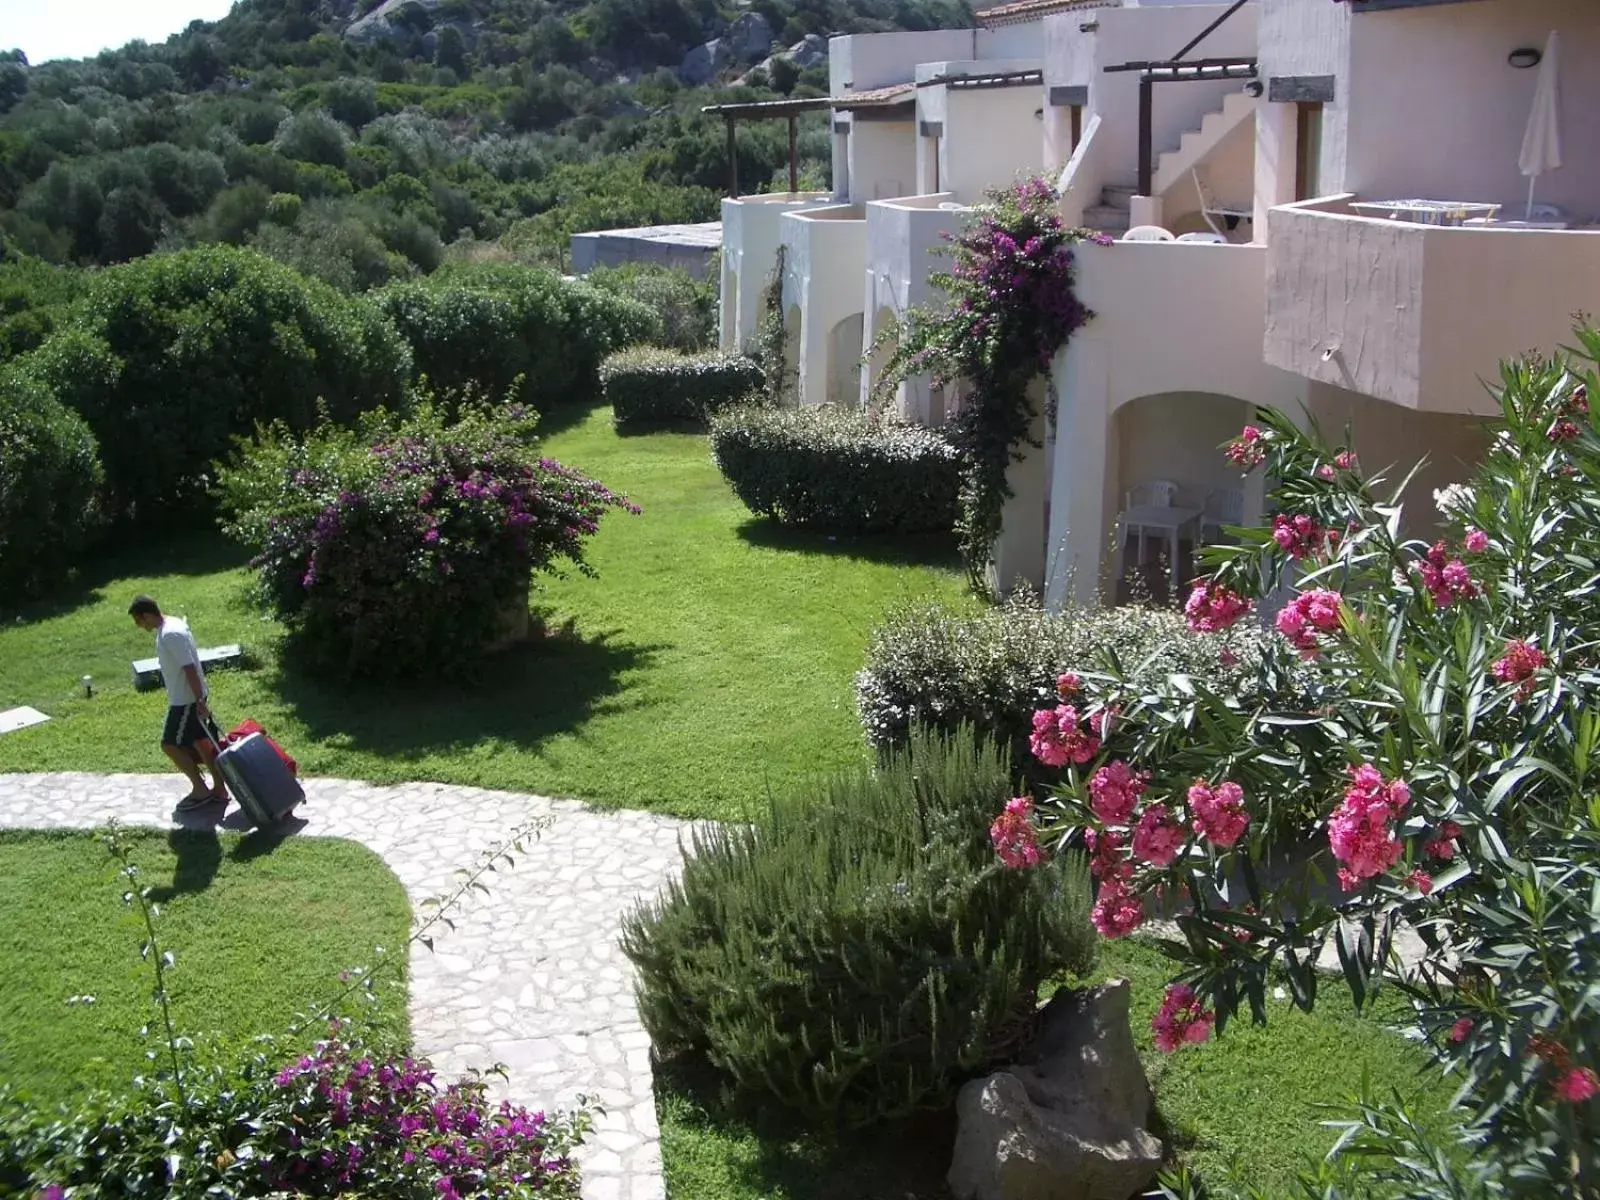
(771, 337)
(1010, 307)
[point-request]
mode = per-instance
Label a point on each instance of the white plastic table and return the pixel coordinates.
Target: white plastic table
(1161, 518)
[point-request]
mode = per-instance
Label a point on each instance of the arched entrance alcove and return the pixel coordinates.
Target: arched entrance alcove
(844, 361)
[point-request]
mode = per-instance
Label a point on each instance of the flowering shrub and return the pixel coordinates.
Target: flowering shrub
(405, 547)
(1442, 742)
(1010, 307)
(347, 1119)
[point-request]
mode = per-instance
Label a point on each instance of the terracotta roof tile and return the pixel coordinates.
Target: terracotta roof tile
(1033, 10)
(873, 97)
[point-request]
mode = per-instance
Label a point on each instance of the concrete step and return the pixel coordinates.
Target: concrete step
(1119, 195)
(1107, 219)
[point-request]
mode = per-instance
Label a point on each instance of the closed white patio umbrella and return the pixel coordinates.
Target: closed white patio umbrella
(1541, 144)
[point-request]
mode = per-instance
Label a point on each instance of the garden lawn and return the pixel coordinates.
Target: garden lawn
(712, 656)
(260, 930)
(1249, 1098)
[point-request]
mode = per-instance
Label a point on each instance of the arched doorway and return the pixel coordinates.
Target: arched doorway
(844, 361)
(886, 338)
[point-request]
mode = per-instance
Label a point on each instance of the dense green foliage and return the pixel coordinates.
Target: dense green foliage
(500, 329)
(686, 306)
(358, 155)
(169, 357)
(648, 388)
(839, 470)
(50, 480)
(403, 548)
(935, 666)
(34, 299)
(854, 953)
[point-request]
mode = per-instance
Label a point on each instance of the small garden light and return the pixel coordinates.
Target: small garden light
(88, 686)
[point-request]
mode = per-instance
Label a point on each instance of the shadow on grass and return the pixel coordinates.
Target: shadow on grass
(564, 415)
(902, 550)
(904, 1161)
(199, 854)
(547, 686)
(127, 554)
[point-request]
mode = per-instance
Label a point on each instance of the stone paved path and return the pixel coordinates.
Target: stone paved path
(531, 977)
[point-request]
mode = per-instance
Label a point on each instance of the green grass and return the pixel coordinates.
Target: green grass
(1250, 1097)
(257, 937)
(712, 656)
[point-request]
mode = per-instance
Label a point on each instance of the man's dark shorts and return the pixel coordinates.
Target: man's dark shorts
(184, 727)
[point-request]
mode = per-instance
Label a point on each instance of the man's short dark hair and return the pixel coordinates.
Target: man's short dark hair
(144, 606)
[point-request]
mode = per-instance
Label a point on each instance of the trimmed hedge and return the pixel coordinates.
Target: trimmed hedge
(169, 357)
(479, 327)
(839, 470)
(929, 665)
(648, 387)
(856, 953)
(50, 477)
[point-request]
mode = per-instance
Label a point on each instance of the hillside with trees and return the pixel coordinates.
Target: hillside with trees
(357, 140)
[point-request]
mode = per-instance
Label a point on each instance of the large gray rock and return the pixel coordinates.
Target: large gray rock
(388, 19)
(705, 62)
(749, 37)
(1068, 1120)
(810, 51)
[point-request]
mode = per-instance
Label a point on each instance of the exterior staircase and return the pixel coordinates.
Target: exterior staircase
(1173, 167)
(1113, 214)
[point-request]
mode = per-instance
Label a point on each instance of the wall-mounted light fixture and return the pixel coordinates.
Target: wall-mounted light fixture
(1527, 56)
(1089, 27)
(1254, 89)
(1038, 114)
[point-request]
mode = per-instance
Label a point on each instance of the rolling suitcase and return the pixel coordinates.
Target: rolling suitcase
(259, 779)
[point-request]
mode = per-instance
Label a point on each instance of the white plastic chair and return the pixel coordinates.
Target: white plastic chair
(1148, 233)
(1155, 493)
(1210, 239)
(1224, 506)
(1546, 212)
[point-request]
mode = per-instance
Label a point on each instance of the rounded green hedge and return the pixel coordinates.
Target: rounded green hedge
(171, 356)
(648, 387)
(839, 470)
(479, 327)
(50, 478)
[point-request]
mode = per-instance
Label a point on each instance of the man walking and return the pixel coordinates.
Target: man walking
(186, 739)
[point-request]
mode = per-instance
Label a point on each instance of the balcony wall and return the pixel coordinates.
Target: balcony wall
(825, 261)
(750, 235)
(902, 236)
(1417, 315)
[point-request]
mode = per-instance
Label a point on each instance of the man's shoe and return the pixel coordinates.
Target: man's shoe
(190, 803)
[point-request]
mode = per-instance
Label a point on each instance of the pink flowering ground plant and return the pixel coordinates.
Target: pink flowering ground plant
(1422, 753)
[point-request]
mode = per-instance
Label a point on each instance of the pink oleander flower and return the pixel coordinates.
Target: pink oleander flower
(1103, 719)
(1114, 792)
(1562, 430)
(1228, 658)
(1359, 829)
(1326, 471)
(1420, 880)
(1219, 813)
(1460, 1030)
(1447, 579)
(1300, 536)
(1476, 541)
(1518, 665)
(1307, 616)
(1345, 460)
(1058, 737)
(1212, 608)
(1068, 685)
(1248, 449)
(1117, 911)
(1442, 845)
(1015, 839)
(1577, 1085)
(1157, 838)
(1578, 402)
(1107, 857)
(1181, 1020)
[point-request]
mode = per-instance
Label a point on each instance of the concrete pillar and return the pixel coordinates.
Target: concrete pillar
(1083, 480)
(730, 299)
(1145, 210)
(841, 161)
(1019, 554)
(1276, 156)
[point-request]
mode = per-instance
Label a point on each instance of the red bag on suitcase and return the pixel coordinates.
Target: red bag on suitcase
(246, 728)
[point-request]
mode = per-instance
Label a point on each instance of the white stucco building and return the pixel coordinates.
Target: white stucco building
(1290, 135)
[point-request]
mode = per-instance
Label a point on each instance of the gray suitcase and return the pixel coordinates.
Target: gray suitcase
(259, 780)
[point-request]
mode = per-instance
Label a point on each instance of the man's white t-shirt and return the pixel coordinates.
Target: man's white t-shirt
(175, 649)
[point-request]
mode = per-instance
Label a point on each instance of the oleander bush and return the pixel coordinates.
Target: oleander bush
(652, 388)
(50, 479)
(404, 547)
(498, 329)
(856, 953)
(170, 356)
(839, 470)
